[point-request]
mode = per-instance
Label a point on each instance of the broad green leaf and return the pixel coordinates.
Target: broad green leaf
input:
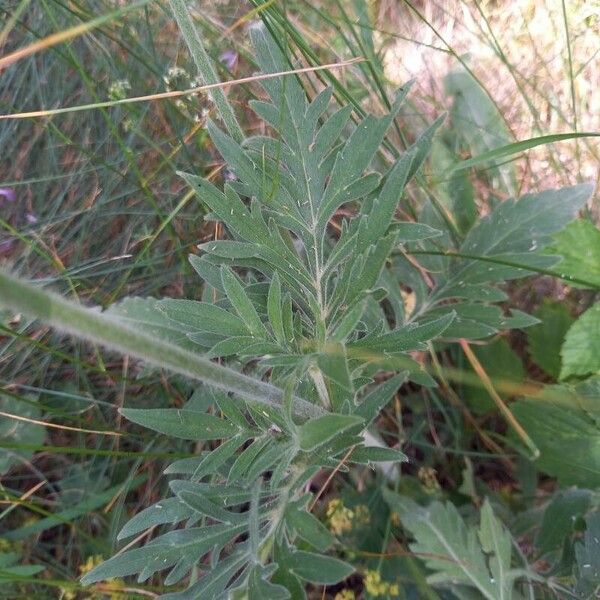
(457, 553)
(454, 190)
(560, 517)
(523, 225)
(580, 351)
(579, 246)
(587, 553)
(316, 432)
(563, 425)
(509, 238)
(412, 232)
(181, 423)
(546, 338)
(480, 127)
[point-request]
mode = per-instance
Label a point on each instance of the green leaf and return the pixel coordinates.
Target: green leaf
(497, 544)
(241, 303)
(580, 351)
(17, 431)
(503, 245)
(370, 405)
(259, 588)
(413, 232)
(355, 157)
(408, 337)
(546, 338)
(169, 510)
(230, 209)
(454, 190)
(518, 226)
(275, 310)
(309, 528)
(317, 568)
(204, 506)
(317, 432)
(480, 127)
(164, 552)
(457, 553)
(10, 571)
(243, 462)
(144, 315)
(373, 454)
(181, 423)
(588, 558)
(579, 246)
(563, 425)
(202, 316)
(560, 518)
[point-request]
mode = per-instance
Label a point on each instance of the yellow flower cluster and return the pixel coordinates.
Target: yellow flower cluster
(5, 545)
(342, 518)
(428, 478)
(112, 589)
(376, 587)
(345, 594)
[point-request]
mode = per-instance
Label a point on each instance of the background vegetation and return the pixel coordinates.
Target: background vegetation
(91, 204)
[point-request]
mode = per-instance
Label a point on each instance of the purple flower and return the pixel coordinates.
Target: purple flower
(7, 246)
(229, 58)
(7, 194)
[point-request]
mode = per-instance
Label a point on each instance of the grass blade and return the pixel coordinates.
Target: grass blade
(515, 147)
(205, 68)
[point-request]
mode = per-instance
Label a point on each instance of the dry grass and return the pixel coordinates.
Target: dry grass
(518, 51)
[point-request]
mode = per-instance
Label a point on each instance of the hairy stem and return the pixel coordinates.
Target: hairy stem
(92, 325)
